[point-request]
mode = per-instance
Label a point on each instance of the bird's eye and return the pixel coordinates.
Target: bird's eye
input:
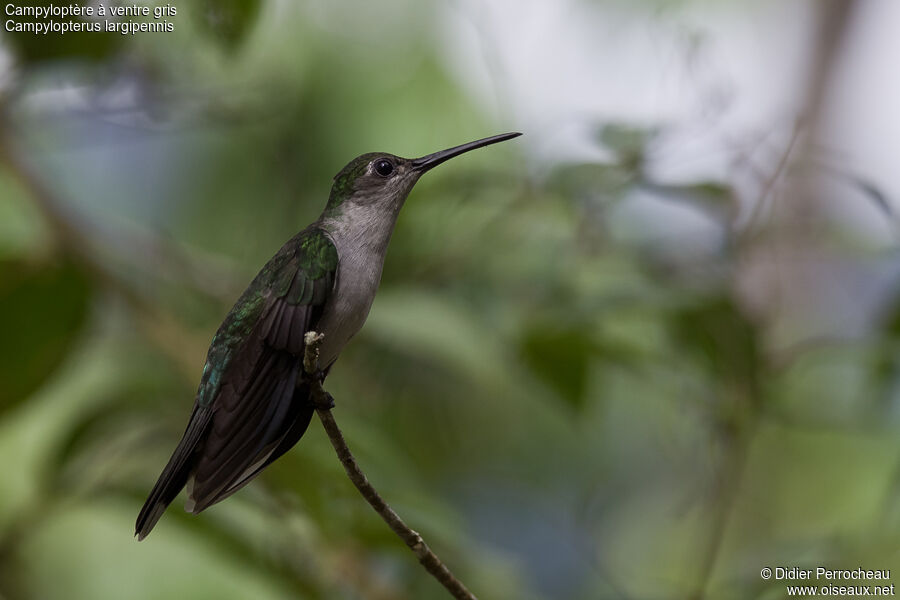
(383, 167)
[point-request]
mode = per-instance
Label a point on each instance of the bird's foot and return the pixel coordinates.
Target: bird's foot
(316, 377)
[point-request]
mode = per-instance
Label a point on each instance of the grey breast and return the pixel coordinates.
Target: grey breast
(358, 276)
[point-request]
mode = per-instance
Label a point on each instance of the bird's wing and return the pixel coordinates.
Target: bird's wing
(246, 403)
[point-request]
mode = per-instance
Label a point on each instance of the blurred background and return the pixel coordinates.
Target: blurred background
(639, 353)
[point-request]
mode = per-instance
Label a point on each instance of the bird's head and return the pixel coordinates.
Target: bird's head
(380, 182)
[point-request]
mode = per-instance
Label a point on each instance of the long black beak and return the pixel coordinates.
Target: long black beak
(432, 160)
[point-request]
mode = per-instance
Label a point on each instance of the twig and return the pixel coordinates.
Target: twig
(731, 475)
(70, 241)
(324, 403)
(768, 187)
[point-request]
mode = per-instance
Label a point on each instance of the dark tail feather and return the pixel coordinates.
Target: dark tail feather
(304, 412)
(281, 434)
(300, 416)
(174, 475)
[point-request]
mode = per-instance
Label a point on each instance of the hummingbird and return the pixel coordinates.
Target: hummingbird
(253, 403)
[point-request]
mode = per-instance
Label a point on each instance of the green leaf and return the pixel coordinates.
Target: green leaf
(428, 327)
(33, 48)
(709, 196)
(227, 21)
(42, 311)
(722, 337)
(628, 142)
(609, 181)
(92, 434)
(886, 365)
(560, 357)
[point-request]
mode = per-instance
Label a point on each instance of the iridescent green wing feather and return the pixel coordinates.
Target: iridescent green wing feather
(282, 301)
(248, 402)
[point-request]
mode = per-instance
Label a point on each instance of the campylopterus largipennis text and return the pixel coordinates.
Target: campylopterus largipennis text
(253, 403)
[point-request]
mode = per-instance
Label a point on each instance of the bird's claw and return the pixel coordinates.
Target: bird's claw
(317, 377)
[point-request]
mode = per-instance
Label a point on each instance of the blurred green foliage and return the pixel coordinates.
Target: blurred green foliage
(42, 311)
(562, 402)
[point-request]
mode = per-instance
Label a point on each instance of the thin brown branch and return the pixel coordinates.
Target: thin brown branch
(70, 241)
(324, 403)
(731, 475)
(769, 184)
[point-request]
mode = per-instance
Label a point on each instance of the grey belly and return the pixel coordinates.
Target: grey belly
(346, 311)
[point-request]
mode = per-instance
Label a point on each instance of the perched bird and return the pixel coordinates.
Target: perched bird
(253, 403)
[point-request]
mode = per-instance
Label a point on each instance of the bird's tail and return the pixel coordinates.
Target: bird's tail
(175, 474)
